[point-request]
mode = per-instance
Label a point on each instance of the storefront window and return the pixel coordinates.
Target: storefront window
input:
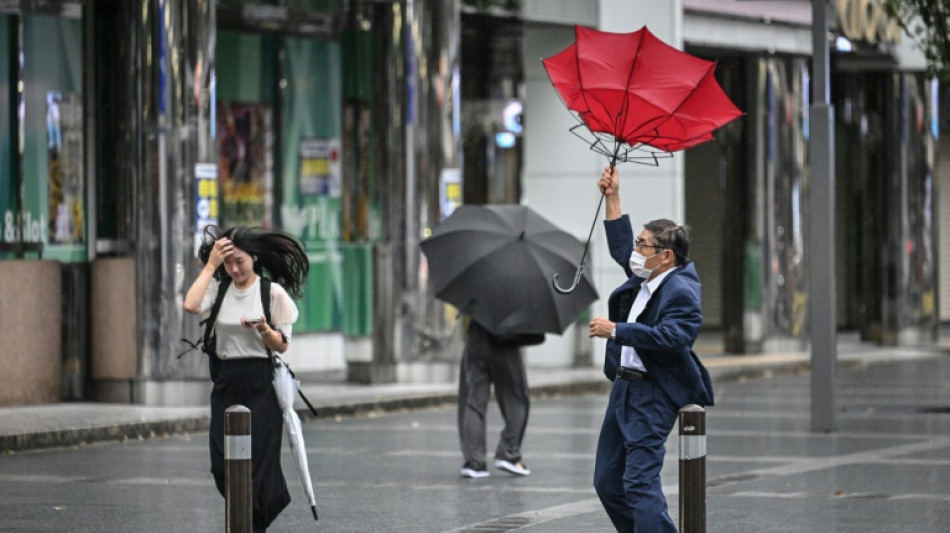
(53, 209)
(312, 180)
(279, 154)
(244, 129)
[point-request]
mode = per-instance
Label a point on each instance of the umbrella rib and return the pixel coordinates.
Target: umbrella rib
(549, 247)
(597, 145)
(580, 82)
(664, 120)
(456, 233)
(625, 105)
(553, 84)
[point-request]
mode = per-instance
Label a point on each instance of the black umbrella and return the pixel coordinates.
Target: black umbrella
(495, 262)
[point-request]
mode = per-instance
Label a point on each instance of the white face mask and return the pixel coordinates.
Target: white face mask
(638, 265)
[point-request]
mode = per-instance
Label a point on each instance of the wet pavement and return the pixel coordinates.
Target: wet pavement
(887, 468)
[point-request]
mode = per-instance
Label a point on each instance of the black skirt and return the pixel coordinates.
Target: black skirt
(249, 382)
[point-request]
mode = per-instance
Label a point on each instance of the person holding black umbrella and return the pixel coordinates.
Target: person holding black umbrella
(490, 358)
(493, 263)
(654, 318)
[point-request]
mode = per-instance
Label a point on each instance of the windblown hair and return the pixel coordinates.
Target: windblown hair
(672, 236)
(279, 254)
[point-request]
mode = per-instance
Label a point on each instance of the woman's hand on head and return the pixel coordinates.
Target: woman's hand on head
(222, 248)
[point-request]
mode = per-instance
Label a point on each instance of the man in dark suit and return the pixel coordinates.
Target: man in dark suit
(653, 320)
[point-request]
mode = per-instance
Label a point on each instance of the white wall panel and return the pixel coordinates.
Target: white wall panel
(583, 12)
(559, 169)
(662, 17)
(748, 35)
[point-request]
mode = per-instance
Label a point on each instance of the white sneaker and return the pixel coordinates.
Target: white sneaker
(518, 469)
(474, 474)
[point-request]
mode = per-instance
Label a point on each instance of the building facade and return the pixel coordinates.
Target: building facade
(129, 126)
(745, 194)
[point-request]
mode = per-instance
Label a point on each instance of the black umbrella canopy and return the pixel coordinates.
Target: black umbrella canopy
(495, 263)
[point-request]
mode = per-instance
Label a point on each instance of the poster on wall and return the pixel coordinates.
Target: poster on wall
(450, 191)
(206, 199)
(64, 167)
(245, 163)
(320, 168)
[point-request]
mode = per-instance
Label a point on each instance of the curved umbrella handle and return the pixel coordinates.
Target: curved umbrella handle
(577, 279)
(580, 267)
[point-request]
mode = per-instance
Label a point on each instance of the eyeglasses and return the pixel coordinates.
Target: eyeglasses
(639, 244)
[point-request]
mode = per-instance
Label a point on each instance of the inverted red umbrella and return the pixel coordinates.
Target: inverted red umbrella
(636, 99)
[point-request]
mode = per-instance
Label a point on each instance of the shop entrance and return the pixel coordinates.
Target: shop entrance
(886, 235)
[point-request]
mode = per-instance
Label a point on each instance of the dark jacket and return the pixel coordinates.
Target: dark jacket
(665, 331)
(476, 330)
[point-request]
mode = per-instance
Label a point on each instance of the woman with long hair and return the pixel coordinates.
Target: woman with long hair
(234, 262)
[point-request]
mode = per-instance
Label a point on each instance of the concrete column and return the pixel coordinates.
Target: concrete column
(163, 115)
(416, 142)
(180, 57)
(112, 329)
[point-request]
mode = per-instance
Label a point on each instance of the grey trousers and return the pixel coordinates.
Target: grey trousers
(483, 364)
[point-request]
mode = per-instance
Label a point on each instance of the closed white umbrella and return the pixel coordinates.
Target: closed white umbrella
(286, 387)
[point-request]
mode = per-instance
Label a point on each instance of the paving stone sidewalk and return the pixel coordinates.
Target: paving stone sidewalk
(75, 424)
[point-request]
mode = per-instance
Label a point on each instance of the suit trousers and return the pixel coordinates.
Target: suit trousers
(484, 363)
(630, 454)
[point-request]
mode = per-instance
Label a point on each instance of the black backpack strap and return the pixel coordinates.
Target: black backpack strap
(210, 345)
(265, 301)
(208, 322)
(265, 298)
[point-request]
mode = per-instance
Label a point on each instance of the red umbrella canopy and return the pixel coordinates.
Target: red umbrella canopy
(634, 89)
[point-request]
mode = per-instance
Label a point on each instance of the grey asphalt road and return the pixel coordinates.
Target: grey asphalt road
(886, 469)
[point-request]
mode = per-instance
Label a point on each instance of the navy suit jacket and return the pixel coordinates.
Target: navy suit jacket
(665, 331)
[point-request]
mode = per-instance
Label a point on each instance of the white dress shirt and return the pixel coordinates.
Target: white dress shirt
(628, 355)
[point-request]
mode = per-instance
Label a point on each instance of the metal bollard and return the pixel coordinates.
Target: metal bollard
(237, 469)
(692, 421)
